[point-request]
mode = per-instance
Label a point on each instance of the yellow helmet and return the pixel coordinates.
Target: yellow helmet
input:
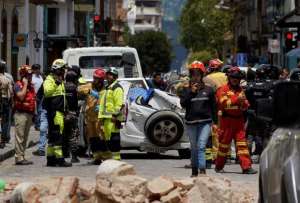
(58, 64)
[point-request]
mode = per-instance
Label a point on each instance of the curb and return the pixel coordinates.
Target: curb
(10, 153)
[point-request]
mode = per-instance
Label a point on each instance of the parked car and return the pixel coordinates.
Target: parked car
(279, 178)
(152, 125)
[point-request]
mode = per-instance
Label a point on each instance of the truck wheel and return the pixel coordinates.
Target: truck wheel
(184, 153)
(164, 128)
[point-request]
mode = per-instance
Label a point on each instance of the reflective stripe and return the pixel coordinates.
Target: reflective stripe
(223, 145)
(244, 144)
(243, 152)
(58, 152)
(222, 154)
(200, 99)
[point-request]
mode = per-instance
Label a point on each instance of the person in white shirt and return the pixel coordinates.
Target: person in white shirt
(37, 81)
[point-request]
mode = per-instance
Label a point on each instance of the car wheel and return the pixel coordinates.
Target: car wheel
(164, 128)
(184, 153)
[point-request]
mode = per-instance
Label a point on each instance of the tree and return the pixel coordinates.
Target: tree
(203, 56)
(203, 26)
(154, 50)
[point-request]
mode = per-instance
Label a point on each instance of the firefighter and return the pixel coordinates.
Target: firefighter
(232, 105)
(111, 112)
(216, 78)
(54, 92)
(90, 92)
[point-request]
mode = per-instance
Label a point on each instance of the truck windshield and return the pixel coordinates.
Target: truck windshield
(89, 63)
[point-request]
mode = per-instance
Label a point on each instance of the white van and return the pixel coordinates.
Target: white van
(125, 59)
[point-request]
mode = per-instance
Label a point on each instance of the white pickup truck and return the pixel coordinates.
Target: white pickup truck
(152, 126)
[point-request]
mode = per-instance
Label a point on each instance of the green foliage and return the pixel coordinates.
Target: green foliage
(203, 26)
(203, 56)
(154, 50)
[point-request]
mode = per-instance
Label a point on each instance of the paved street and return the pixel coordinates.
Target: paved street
(146, 166)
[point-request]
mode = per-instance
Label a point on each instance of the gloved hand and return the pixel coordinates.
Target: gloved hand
(95, 94)
(97, 108)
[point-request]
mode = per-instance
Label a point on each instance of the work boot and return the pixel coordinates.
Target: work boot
(194, 172)
(219, 170)
(74, 158)
(51, 161)
(202, 171)
(62, 163)
(249, 171)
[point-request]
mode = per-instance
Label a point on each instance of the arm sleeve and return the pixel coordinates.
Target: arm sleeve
(213, 104)
(49, 88)
(118, 95)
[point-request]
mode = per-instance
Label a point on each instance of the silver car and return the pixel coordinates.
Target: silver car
(279, 179)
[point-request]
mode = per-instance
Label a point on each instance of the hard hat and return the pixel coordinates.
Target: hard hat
(24, 70)
(99, 73)
(215, 63)
(113, 71)
(58, 64)
(197, 65)
(235, 72)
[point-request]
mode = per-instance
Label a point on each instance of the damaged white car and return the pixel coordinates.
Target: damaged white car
(154, 120)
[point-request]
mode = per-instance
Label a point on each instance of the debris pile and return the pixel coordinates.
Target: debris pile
(117, 182)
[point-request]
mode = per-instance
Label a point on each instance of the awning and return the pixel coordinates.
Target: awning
(47, 1)
(292, 19)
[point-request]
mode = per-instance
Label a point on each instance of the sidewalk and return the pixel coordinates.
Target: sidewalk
(9, 150)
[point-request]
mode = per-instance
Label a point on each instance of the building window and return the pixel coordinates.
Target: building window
(53, 19)
(4, 34)
(14, 52)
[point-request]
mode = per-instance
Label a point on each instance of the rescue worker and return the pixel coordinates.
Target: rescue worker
(111, 112)
(25, 103)
(90, 92)
(71, 117)
(199, 102)
(215, 79)
(55, 104)
(232, 105)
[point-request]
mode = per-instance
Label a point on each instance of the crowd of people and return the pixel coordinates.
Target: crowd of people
(220, 103)
(215, 100)
(51, 103)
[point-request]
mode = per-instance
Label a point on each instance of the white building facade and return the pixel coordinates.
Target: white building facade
(23, 21)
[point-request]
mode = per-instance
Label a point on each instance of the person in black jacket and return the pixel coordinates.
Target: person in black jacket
(71, 116)
(199, 102)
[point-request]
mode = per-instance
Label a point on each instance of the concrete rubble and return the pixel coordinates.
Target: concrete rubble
(117, 182)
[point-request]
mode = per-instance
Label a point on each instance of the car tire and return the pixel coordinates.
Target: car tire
(184, 153)
(164, 128)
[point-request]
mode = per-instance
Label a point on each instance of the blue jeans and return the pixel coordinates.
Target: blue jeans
(37, 121)
(43, 130)
(6, 119)
(198, 134)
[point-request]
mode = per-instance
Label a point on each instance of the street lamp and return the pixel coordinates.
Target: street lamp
(37, 42)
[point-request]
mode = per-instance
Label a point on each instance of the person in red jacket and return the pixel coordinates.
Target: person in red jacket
(25, 99)
(232, 104)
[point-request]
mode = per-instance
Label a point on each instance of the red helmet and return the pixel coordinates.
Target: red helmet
(99, 73)
(197, 65)
(215, 63)
(235, 72)
(24, 70)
